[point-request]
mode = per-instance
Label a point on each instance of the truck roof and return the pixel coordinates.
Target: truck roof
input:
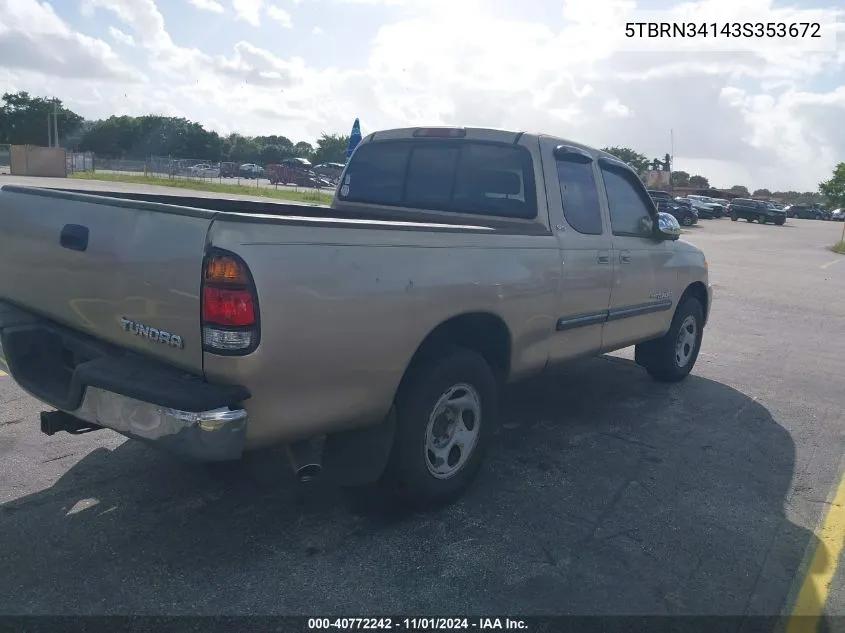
(479, 134)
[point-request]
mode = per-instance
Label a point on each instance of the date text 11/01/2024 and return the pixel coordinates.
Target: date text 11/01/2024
(778, 30)
(417, 624)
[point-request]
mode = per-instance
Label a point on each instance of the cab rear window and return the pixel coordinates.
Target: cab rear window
(457, 176)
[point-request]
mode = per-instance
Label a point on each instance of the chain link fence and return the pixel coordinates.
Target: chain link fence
(79, 162)
(224, 173)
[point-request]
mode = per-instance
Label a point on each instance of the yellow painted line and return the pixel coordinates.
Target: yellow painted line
(829, 264)
(3, 373)
(812, 597)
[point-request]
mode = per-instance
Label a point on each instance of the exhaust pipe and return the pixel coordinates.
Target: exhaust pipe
(304, 457)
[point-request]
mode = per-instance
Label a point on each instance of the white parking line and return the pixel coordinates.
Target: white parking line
(829, 264)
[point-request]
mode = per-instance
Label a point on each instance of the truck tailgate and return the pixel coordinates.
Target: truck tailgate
(123, 271)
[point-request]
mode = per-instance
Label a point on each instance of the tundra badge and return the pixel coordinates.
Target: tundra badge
(151, 334)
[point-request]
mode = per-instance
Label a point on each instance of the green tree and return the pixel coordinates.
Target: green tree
(680, 179)
(331, 148)
(23, 119)
(762, 192)
(699, 181)
(834, 188)
(636, 160)
(739, 189)
(303, 150)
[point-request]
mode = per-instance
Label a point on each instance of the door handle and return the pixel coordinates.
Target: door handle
(625, 257)
(603, 258)
(74, 237)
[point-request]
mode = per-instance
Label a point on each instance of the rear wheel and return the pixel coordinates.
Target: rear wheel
(686, 221)
(672, 357)
(761, 219)
(446, 415)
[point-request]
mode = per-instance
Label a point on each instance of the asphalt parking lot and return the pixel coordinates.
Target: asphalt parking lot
(606, 492)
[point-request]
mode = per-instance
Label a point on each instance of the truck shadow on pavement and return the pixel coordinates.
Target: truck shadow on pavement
(606, 493)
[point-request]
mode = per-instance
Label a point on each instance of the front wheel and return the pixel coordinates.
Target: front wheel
(762, 218)
(734, 217)
(446, 415)
(687, 221)
(780, 222)
(672, 357)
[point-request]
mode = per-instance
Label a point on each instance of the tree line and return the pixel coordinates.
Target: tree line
(23, 121)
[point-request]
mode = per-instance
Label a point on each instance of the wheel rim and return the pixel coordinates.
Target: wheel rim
(685, 344)
(687, 221)
(452, 431)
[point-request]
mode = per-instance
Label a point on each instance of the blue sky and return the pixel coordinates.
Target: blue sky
(754, 113)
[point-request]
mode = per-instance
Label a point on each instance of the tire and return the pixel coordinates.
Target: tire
(414, 476)
(780, 222)
(672, 357)
(734, 217)
(687, 221)
(749, 220)
(762, 219)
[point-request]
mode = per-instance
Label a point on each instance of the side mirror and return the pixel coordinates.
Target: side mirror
(667, 227)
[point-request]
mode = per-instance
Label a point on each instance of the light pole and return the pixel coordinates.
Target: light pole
(56, 122)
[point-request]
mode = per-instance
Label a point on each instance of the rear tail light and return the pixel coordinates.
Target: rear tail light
(230, 324)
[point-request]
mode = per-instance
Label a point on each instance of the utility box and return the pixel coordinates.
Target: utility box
(32, 160)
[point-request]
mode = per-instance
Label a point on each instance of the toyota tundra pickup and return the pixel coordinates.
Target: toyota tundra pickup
(371, 337)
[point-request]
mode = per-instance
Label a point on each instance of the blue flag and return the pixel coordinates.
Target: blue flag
(354, 138)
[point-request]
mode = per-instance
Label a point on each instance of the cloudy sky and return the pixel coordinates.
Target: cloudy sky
(767, 116)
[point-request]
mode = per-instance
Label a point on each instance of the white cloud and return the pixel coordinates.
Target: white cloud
(280, 15)
(760, 118)
(34, 40)
(248, 10)
(120, 36)
(207, 5)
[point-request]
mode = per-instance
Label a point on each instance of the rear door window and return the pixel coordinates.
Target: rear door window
(579, 194)
(457, 176)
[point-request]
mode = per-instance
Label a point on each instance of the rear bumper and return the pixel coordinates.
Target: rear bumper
(212, 435)
(139, 398)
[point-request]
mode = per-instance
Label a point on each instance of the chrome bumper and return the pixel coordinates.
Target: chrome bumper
(216, 435)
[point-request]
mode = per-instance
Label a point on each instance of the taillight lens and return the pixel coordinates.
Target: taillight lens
(229, 305)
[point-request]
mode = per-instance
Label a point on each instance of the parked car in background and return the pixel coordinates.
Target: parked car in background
(717, 210)
(807, 212)
(838, 215)
(656, 195)
(759, 210)
(228, 170)
(251, 170)
(684, 214)
(204, 170)
(331, 171)
(705, 211)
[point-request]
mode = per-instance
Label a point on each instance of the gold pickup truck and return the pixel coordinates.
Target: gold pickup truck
(372, 337)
